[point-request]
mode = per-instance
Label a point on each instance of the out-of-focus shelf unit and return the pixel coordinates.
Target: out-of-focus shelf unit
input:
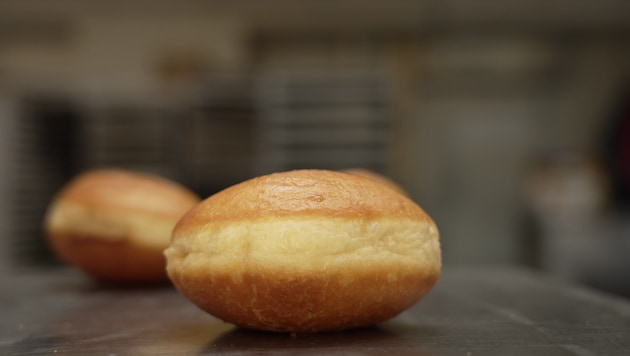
(39, 151)
(218, 137)
(325, 119)
(128, 137)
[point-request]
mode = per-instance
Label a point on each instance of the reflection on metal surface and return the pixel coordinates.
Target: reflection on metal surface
(90, 319)
(182, 338)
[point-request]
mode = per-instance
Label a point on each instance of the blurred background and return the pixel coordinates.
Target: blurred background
(507, 121)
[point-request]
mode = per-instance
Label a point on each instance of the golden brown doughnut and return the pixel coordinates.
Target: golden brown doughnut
(305, 251)
(115, 224)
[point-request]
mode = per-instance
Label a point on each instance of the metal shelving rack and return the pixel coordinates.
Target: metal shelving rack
(326, 119)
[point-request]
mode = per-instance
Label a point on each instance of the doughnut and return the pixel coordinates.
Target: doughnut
(305, 251)
(114, 224)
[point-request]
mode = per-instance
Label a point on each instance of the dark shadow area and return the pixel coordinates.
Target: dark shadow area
(363, 340)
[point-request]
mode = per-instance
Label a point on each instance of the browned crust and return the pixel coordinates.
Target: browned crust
(119, 262)
(283, 301)
(303, 192)
(127, 191)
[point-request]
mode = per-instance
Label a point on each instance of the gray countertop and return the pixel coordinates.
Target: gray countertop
(481, 311)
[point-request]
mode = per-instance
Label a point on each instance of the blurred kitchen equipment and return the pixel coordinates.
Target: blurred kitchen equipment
(580, 238)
